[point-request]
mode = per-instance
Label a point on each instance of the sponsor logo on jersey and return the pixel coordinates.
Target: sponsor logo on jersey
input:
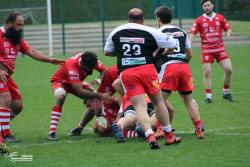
(132, 40)
(133, 61)
(178, 34)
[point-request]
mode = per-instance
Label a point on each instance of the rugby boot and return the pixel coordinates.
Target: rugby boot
(228, 97)
(170, 138)
(52, 136)
(152, 142)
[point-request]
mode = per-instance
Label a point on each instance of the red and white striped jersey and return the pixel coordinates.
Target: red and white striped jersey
(210, 29)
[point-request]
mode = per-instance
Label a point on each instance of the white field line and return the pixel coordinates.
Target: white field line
(209, 131)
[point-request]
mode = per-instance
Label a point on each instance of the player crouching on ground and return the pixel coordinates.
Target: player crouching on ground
(127, 126)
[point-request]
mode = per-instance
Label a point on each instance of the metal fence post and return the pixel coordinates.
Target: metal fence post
(101, 4)
(63, 27)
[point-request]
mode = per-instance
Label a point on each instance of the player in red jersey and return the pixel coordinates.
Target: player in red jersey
(175, 73)
(69, 79)
(210, 26)
(105, 87)
(133, 44)
(11, 43)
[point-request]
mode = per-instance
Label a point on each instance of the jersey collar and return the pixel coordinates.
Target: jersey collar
(210, 17)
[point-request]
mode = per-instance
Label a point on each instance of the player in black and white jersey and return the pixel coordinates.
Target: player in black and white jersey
(133, 44)
(174, 70)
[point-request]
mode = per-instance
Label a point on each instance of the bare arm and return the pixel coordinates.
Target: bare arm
(112, 54)
(82, 93)
(191, 38)
(228, 32)
(189, 53)
(41, 57)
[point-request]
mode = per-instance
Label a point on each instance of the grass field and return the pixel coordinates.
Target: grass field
(227, 141)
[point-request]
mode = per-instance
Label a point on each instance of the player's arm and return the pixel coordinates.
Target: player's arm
(188, 49)
(41, 57)
(88, 115)
(83, 93)
(228, 32)
(191, 37)
(109, 49)
(102, 70)
(189, 53)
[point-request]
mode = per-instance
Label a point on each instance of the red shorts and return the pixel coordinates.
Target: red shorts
(177, 77)
(140, 80)
(67, 87)
(10, 86)
(209, 57)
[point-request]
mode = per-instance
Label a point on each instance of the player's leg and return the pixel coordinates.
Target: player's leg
(194, 114)
(227, 68)
(165, 95)
(163, 116)
(60, 96)
(16, 106)
(207, 73)
(140, 105)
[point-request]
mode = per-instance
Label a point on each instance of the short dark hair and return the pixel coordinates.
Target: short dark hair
(203, 1)
(12, 17)
(88, 59)
(164, 13)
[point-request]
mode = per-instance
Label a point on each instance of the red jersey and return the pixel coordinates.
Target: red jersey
(9, 52)
(110, 110)
(110, 76)
(210, 29)
(70, 71)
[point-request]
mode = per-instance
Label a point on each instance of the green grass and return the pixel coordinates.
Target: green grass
(242, 27)
(227, 125)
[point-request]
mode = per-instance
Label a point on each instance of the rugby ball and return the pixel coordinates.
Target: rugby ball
(101, 125)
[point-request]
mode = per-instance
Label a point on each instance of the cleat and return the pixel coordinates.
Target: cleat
(208, 100)
(152, 142)
(159, 134)
(170, 138)
(199, 133)
(228, 97)
(117, 133)
(76, 131)
(4, 149)
(154, 146)
(139, 131)
(10, 139)
(52, 136)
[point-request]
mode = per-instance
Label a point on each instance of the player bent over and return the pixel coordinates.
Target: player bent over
(110, 75)
(69, 79)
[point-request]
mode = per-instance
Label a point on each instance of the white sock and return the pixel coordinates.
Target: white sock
(167, 128)
(149, 132)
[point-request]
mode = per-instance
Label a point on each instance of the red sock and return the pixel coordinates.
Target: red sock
(158, 125)
(55, 116)
(226, 86)
(5, 121)
(197, 124)
(208, 91)
(151, 138)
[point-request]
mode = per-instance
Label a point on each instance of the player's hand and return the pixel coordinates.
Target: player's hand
(87, 86)
(106, 97)
(3, 75)
(96, 82)
(56, 61)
